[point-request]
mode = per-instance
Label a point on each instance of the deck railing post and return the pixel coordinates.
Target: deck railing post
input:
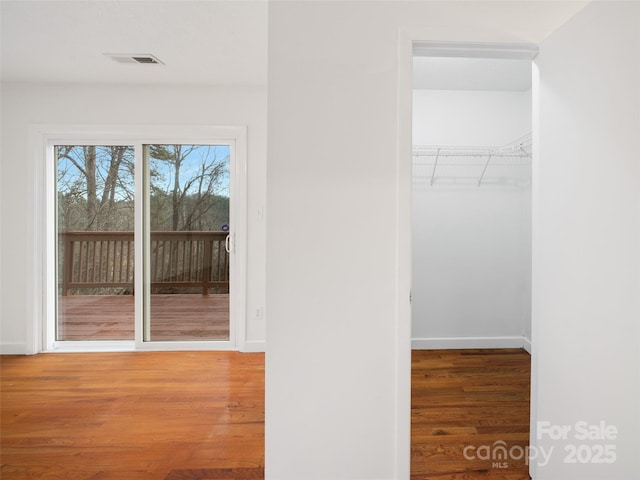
(67, 270)
(206, 270)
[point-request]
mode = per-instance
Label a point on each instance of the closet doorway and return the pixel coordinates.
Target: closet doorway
(471, 259)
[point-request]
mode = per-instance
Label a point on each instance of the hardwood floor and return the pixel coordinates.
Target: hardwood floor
(173, 317)
(200, 415)
(469, 399)
(132, 416)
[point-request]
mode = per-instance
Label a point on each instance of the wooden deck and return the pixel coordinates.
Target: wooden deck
(173, 317)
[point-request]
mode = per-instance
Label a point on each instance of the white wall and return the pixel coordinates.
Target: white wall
(338, 360)
(470, 117)
(471, 245)
(586, 246)
(330, 360)
(1, 223)
(27, 104)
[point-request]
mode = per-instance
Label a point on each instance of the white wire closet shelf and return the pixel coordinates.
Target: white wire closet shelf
(505, 165)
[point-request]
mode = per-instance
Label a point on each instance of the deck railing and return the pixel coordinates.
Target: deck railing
(178, 260)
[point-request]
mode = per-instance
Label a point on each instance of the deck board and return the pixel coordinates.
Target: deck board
(173, 317)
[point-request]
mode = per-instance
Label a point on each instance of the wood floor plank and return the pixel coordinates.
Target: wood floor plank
(217, 474)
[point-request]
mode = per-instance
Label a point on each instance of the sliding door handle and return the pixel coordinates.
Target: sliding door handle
(227, 243)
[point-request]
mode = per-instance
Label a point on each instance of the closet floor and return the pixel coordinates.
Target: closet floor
(465, 404)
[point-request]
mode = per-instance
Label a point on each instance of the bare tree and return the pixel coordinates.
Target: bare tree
(195, 192)
(188, 186)
(101, 178)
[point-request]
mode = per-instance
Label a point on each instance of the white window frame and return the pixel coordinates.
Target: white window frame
(41, 329)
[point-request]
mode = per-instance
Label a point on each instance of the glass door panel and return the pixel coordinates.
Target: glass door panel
(188, 243)
(95, 251)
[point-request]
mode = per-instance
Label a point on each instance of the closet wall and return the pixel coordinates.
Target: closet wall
(471, 244)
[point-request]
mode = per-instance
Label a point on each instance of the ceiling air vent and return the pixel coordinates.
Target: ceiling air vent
(143, 58)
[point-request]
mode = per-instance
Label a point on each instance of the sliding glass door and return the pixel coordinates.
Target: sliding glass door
(163, 207)
(189, 242)
(95, 203)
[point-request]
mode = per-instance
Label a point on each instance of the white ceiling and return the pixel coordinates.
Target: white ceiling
(206, 42)
(446, 73)
(200, 42)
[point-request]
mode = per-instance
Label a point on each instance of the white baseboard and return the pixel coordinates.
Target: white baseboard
(254, 346)
(13, 348)
(16, 348)
(526, 344)
(466, 342)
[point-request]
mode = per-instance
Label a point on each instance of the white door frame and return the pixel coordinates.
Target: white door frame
(41, 328)
(406, 40)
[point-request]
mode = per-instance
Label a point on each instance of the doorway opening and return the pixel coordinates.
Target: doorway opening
(471, 256)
